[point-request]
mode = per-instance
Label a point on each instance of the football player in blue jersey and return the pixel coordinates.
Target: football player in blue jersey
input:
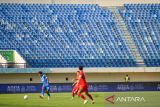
(45, 85)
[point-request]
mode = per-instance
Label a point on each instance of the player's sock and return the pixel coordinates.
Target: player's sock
(48, 97)
(48, 94)
(85, 101)
(90, 97)
(42, 93)
(72, 98)
(73, 94)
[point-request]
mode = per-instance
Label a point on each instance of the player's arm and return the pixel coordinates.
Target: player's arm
(74, 83)
(75, 80)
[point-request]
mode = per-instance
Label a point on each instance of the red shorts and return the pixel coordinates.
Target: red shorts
(84, 88)
(75, 89)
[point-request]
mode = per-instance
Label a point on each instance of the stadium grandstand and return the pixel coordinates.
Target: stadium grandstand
(109, 38)
(69, 35)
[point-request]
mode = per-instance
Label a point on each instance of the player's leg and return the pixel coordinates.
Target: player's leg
(48, 92)
(90, 96)
(73, 90)
(42, 92)
(76, 91)
(73, 94)
(85, 89)
(80, 91)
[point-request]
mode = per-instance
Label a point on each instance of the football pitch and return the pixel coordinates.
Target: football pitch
(152, 99)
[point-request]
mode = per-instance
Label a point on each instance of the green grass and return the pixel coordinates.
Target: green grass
(64, 100)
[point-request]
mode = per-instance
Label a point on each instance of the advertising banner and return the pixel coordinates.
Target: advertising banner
(93, 87)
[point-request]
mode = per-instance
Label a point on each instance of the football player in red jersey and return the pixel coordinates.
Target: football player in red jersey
(83, 86)
(75, 85)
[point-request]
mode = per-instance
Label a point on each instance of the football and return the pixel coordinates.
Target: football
(25, 97)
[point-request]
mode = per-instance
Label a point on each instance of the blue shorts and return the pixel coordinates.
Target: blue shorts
(46, 88)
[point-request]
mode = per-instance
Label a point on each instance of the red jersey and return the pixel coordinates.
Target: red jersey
(82, 79)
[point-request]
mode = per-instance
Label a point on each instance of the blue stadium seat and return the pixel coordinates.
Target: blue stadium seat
(143, 22)
(64, 35)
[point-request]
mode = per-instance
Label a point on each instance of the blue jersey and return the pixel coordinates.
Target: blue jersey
(44, 80)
